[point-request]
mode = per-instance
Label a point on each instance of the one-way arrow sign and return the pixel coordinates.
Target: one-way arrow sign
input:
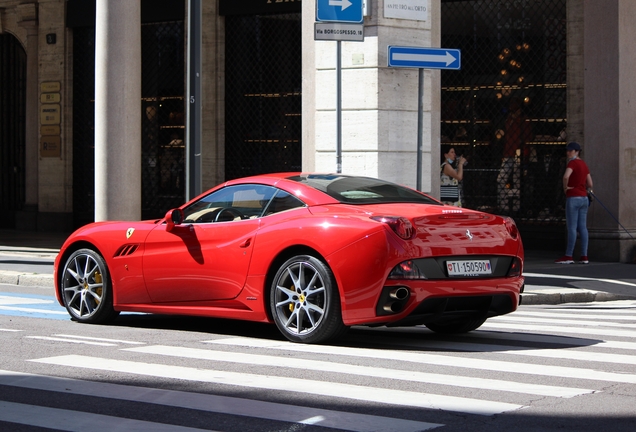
(342, 3)
(425, 58)
(339, 11)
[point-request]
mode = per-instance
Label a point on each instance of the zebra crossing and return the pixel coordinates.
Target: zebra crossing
(559, 352)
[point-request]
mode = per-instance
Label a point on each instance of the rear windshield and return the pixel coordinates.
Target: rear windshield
(362, 190)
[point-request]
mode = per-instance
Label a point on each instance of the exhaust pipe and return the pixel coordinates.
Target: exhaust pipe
(393, 307)
(394, 298)
(400, 293)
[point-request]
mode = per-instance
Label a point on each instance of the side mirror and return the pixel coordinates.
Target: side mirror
(174, 217)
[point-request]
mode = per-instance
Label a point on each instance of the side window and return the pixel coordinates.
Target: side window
(283, 201)
(230, 203)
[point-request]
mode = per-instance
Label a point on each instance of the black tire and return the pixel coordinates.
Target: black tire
(86, 288)
(304, 301)
(457, 326)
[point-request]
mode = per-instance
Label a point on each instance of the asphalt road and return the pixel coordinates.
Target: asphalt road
(545, 367)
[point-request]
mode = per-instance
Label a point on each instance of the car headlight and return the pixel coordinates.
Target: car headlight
(406, 270)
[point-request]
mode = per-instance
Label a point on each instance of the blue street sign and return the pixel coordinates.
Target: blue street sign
(339, 11)
(425, 58)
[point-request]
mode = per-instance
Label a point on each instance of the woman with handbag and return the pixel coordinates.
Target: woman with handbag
(450, 190)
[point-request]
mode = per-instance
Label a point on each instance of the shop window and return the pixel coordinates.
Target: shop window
(505, 110)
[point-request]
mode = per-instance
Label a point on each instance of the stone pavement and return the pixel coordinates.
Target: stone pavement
(26, 258)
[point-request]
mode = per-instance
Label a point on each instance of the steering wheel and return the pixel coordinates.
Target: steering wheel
(230, 211)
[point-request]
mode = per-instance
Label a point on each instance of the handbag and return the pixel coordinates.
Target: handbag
(449, 189)
(449, 193)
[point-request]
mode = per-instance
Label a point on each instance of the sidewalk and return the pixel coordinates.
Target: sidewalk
(26, 258)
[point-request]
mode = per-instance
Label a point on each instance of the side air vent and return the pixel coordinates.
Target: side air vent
(126, 250)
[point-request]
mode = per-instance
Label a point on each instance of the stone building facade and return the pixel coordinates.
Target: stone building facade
(379, 107)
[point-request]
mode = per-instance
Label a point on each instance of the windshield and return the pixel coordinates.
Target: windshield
(362, 190)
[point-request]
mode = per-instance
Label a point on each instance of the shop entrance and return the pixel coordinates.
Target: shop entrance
(506, 112)
(263, 94)
(12, 128)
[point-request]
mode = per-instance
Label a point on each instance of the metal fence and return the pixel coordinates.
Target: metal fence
(12, 128)
(505, 110)
(83, 125)
(263, 94)
(163, 90)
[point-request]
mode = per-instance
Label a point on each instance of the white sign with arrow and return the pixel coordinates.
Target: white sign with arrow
(426, 58)
(349, 11)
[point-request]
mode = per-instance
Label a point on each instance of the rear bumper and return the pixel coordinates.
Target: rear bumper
(442, 300)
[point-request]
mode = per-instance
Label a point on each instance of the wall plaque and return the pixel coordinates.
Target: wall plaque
(415, 10)
(50, 130)
(50, 114)
(50, 146)
(50, 98)
(50, 86)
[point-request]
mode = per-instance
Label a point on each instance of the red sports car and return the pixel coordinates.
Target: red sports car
(314, 253)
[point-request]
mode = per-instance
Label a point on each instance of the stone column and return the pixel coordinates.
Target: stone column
(118, 110)
(610, 131)
(379, 104)
(27, 219)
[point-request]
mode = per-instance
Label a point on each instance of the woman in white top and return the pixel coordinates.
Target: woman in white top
(450, 177)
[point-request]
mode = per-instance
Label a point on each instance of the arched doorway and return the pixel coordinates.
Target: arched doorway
(12, 128)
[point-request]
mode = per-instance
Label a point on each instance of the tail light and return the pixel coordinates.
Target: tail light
(515, 268)
(400, 225)
(406, 270)
(511, 227)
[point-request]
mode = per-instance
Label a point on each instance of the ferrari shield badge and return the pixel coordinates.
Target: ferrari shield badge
(129, 232)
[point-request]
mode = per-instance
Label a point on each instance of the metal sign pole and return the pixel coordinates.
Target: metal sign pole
(193, 105)
(338, 108)
(420, 122)
(422, 58)
(330, 16)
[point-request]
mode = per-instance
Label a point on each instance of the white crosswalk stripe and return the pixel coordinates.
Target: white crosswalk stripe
(541, 328)
(322, 388)
(210, 403)
(343, 368)
(563, 321)
(560, 314)
(523, 351)
(440, 360)
(549, 352)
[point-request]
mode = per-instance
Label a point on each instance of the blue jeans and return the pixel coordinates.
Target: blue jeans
(576, 220)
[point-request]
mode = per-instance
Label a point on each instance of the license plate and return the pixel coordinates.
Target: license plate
(469, 268)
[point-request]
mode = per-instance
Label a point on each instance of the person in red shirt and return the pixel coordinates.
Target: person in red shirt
(577, 180)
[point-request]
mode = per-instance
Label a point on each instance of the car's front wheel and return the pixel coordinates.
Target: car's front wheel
(304, 301)
(86, 287)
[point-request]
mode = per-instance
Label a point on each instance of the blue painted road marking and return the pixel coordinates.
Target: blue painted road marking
(34, 306)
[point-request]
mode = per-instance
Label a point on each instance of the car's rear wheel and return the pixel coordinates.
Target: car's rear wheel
(86, 287)
(304, 301)
(454, 327)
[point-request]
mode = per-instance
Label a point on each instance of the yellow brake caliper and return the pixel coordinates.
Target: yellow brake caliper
(291, 303)
(98, 279)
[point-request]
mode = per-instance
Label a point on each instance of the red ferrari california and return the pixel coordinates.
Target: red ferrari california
(313, 253)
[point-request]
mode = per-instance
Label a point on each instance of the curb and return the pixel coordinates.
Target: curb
(27, 279)
(581, 296)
